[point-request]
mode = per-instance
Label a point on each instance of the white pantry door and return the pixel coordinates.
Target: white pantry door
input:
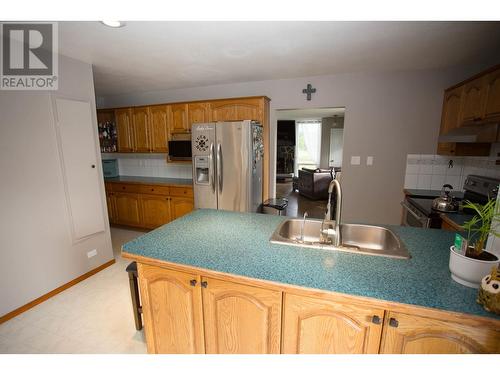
(81, 174)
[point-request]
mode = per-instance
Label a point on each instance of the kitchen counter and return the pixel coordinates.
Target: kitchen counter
(238, 244)
(151, 180)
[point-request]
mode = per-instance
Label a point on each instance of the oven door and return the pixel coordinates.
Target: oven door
(413, 217)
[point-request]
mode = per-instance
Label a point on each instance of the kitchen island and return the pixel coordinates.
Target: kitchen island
(214, 282)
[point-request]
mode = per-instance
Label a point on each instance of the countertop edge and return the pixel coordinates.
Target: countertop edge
(424, 311)
(149, 183)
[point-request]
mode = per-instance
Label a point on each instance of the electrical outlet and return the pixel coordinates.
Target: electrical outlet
(355, 160)
(369, 160)
(92, 253)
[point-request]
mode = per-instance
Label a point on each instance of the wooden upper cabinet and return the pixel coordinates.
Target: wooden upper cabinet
(238, 109)
(491, 108)
(320, 326)
(159, 116)
(450, 118)
(241, 319)
(141, 129)
(179, 118)
(124, 129)
(198, 113)
(471, 109)
(172, 309)
(409, 334)
(155, 210)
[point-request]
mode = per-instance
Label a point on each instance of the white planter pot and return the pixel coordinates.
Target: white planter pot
(468, 271)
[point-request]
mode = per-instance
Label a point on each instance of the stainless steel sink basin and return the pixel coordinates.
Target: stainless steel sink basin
(356, 238)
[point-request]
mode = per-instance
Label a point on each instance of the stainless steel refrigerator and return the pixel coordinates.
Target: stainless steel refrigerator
(227, 165)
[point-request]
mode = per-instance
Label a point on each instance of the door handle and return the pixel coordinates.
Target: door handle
(375, 319)
(212, 167)
(393, 322)
(204, 284)
(192, 282)
(220, 167)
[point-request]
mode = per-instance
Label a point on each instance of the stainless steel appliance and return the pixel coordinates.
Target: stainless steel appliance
(418, 210)
(179, 147)
(227, 165)
(445, 202)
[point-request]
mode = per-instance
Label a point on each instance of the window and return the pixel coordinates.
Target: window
(308, 145)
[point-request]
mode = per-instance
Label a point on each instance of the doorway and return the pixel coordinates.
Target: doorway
(309, 149)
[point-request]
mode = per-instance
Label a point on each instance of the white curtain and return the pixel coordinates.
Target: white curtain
(308, 144)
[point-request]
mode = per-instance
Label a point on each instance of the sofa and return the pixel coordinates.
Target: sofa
(313, 183)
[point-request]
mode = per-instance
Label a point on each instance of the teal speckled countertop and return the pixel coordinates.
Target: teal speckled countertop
(238, 243)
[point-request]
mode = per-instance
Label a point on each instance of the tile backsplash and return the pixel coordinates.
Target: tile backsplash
(146, 165)
(433, 171)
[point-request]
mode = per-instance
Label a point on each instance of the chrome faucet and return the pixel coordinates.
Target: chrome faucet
(325, 234)
(302, 227)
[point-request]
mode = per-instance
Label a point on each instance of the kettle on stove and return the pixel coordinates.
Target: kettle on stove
(445, 202)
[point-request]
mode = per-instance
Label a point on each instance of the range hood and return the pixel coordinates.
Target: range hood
(484, 133)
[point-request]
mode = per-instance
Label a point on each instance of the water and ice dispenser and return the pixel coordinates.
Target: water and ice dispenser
(202, 170)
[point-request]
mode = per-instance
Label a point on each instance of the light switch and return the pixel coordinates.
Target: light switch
(369, 160)
(355, 160)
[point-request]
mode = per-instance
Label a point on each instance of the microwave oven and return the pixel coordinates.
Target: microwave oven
(179, 147)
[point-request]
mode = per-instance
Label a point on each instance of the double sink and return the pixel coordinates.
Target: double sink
(356, 238)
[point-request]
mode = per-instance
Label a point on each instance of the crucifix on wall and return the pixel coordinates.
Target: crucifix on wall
(309, 90)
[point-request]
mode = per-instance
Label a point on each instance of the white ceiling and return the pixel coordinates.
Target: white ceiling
(309, 113)
(145, 56)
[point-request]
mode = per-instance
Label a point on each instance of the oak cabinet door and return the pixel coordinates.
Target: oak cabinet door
(179, 121)
(127, 209)
(172, 308)
(451, 110)
(238, 109)
(198, 113)
(471, 109)
(492, 96)
(141, 129)
(180, 206)
(110, 202)
(159, 128)
(155, 210)
(319, 326)
(240, 319)
(124, 130)
(410, 334)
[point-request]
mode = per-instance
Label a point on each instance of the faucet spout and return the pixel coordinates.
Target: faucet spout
(335, 184)
(302, 227)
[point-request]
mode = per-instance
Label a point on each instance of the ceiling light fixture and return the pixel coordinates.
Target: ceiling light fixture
(114, 24)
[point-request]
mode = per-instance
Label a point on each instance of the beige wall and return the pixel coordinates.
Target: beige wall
(388, 115)
(36, 250)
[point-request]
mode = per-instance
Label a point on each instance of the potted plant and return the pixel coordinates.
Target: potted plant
(469, 268)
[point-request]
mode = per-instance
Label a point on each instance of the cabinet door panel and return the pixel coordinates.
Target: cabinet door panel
(172, 307)
(124, 130)
(471, 109)
(241, 319)
(159, 128)
(127, 209)
(451, 110)
(155, 210)
(141, 129)
(110, 202)
(317, 326)
(237, 109)
(492, 94)
(179, 121)
(418, 335)
(180, 206)
(197, 113)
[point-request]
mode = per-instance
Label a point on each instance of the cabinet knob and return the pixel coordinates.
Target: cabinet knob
(204, 284)
(192, 282)
(393, 323)
(93, 165)
(375, 319)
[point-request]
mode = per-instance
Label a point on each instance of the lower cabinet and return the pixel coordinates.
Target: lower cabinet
(127, 209)
(155, 210)
(172, 309)
(180, 206)
(241, 319)
(319, 326)
(411, 334)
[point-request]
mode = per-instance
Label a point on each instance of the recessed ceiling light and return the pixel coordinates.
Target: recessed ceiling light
(113, 23)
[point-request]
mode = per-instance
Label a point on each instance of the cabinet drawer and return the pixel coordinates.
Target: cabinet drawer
(181, 191)
(154, 189)
(129, 188)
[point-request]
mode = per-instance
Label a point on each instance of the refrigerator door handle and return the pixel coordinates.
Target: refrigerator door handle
(219, 167)
(212, 167)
